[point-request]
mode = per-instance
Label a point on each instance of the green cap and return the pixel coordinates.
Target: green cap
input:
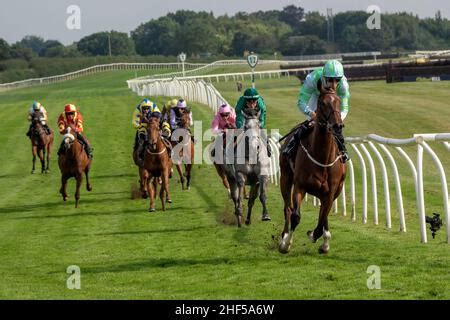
(251, 93)
(333, 69)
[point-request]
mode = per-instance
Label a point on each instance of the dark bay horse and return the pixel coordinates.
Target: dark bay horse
(157, 163)
(41, 143)
(183, 149)
(73, 161)
(317, 171)
(250, 166)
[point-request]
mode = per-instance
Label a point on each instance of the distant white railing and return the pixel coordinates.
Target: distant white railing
(92, 70)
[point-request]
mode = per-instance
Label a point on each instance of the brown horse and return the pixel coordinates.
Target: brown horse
(317, 171)
(41, 143)
(185, 143)
(157, 163)
(73, 161)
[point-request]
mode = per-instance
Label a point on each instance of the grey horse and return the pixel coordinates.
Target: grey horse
(246, 162)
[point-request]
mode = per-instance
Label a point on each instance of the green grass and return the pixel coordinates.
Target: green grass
(193, 251)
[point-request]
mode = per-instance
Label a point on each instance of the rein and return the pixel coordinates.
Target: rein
(156, 153)
(317, 162)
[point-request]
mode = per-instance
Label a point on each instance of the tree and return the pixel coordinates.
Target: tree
(5, 50)
(292, 16)
(301, 45)
(156, 37)
(99, 43)
(313, 24)
(33, 42)
(52, 48)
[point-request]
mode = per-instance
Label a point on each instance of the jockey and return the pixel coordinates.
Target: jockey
(252, 100)
(140, 114)
(167, 107)
(330, 76)
(175, 114)
(72, 116)
(225, 118)
(164, 126)
(43, 117)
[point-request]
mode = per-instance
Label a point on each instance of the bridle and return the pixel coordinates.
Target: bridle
(327, 116)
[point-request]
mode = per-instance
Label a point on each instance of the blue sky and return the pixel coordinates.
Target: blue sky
(47, 18)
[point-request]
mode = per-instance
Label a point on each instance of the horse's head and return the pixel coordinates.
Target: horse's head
(153, 132)
(251, 117)
(185, 118)
(38, 129)
(329, 110)
(69, 138)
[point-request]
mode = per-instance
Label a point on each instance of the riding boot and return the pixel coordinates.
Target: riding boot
(47, 129)
(292, 145)
(269, 149)
(140, 153)
(168, 145)
(86, 146)
(61, 148)
(341, 146)
(29, 132)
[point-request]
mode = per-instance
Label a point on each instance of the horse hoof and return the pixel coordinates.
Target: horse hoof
(151, 210)
(89, 188)
(144, 196)
(33, 172)
(282, 248)
(324, 249)
(310, 235)
(169, 200)
(65, 198)
(285, 243)
(247, 222)
(265, 217)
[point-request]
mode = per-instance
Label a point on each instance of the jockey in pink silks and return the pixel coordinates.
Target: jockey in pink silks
(225, 118)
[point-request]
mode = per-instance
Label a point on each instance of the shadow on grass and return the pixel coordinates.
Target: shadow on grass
(83, 214)
(117, 175)
(160, 263)
(168, 230)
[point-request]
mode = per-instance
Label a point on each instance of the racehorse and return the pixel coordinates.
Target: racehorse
(317, 170)
(157, 163)
(220, 168)
(252, 168)
(73, 161)
(186, 142)
(41, 143)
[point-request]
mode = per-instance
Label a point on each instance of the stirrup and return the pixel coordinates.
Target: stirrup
(345, 157)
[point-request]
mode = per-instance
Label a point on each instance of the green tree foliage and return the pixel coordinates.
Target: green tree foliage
(98, 44)
(32, 42)
(5, 50)
(292, 16)
(302, 45)
(52, 48)
(156, 37)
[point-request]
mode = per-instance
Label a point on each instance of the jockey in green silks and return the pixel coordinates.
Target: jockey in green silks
(252, 100)
(331, 75)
